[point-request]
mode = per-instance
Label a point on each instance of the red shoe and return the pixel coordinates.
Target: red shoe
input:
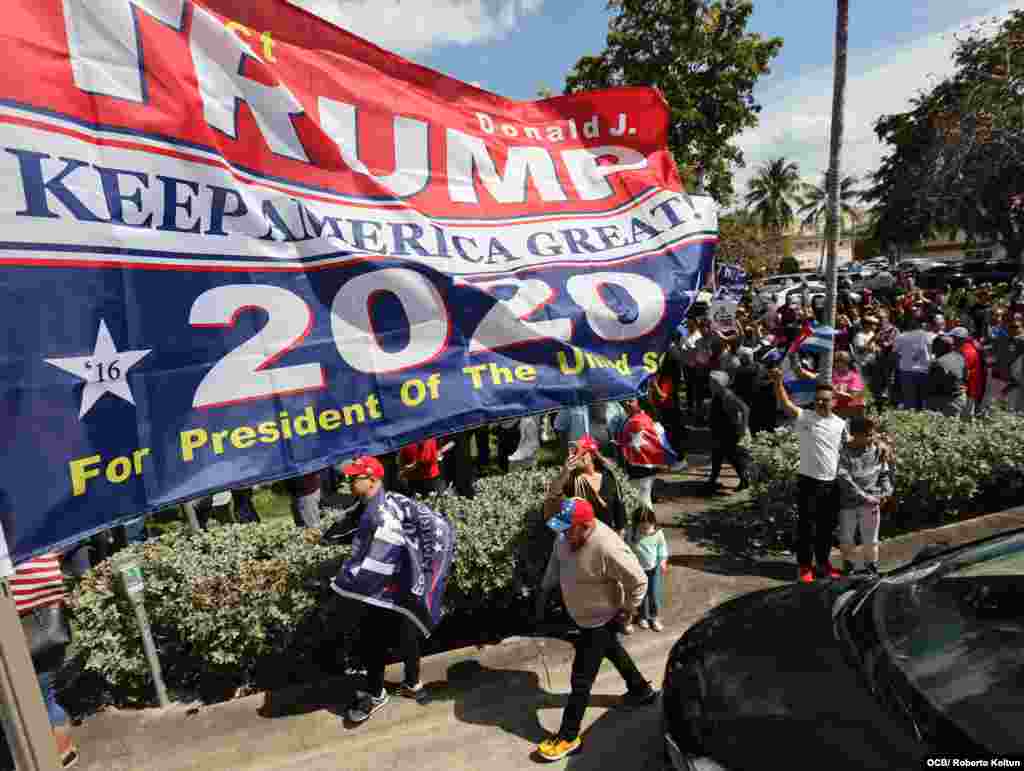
(805, 574)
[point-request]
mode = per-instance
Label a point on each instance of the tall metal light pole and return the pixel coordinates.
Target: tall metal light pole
(835, 151)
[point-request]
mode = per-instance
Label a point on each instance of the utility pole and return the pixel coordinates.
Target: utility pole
(832, 211)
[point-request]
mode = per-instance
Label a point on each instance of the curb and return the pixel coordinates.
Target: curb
(237, 734)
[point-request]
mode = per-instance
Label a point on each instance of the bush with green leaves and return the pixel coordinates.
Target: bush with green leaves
(944, 468)
(248, 606)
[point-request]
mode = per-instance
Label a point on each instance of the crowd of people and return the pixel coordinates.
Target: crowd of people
(958, 354)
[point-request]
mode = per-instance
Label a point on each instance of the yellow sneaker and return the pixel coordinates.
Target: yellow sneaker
(557, 748)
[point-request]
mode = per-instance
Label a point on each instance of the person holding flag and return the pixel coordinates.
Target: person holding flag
(799, 379)
(394, 581)
(646, 451)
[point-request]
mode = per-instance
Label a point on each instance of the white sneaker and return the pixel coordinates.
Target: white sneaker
(657, 626)
(627, 629)
(643, 624)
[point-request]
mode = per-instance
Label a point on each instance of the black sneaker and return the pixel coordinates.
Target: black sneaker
(415, 692)
(365, 705)
(633, 699)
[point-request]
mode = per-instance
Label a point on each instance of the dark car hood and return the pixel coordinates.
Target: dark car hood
(774, 676)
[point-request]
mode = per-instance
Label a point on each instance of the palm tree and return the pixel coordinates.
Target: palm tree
(771, 192)
(814, 204)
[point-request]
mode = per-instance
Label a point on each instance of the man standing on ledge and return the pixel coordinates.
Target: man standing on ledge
(602, 585)
(821, 435)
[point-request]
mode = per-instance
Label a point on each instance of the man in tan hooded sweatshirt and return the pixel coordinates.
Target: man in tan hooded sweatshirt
(602, 584)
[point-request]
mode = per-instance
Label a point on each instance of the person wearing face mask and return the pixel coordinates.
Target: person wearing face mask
(602, 585)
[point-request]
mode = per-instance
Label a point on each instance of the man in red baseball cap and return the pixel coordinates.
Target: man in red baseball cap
(394, 582)
(602, 585)
(366, 476)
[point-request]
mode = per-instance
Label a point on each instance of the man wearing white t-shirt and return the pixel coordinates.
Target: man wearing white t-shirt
(821, 435)
(914, 350)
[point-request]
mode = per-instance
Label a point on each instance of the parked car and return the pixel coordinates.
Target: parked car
(879, 281)
(789, 295)
(916, 265)
(858, 673)
(954, 275)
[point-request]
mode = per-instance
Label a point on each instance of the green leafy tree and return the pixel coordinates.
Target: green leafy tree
(701, 57)
(741, 241)
(956, 159)
(771, 196)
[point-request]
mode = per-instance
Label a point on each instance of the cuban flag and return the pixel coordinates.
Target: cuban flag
(813, 339)
(644, 443)
(821, 340)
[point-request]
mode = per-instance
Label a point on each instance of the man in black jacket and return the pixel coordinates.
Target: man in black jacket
(729, 420)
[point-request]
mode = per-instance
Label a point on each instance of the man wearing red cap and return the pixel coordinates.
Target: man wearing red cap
(395, 579)
(602, 585)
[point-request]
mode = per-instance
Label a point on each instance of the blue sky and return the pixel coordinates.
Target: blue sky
(514, 47)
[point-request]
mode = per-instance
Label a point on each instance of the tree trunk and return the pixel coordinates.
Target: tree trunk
(835, 152)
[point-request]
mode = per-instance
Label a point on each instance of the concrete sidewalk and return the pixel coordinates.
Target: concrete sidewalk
(489, 705)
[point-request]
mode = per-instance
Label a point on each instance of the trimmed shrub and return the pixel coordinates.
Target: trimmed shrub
(247, 606)
(945, 468)
(789, 263)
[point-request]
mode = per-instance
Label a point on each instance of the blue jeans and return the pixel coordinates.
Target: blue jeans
(913, 389)
(58, 717)
(78, 560)
(650, 605)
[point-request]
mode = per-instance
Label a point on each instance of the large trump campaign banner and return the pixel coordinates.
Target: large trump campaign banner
(240, 243)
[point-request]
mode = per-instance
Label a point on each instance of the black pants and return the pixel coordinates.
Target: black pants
(691, 375)
(425, 487)
(698, 388)
(732, 453)
(592, 647)
(675, 429)
(458, 466)
(818, 515)
(245, 511)
(508, 442)
(483, 446)
(379, 630)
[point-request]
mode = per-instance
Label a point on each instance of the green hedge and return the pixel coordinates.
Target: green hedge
(246, 605)
(945, 468)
